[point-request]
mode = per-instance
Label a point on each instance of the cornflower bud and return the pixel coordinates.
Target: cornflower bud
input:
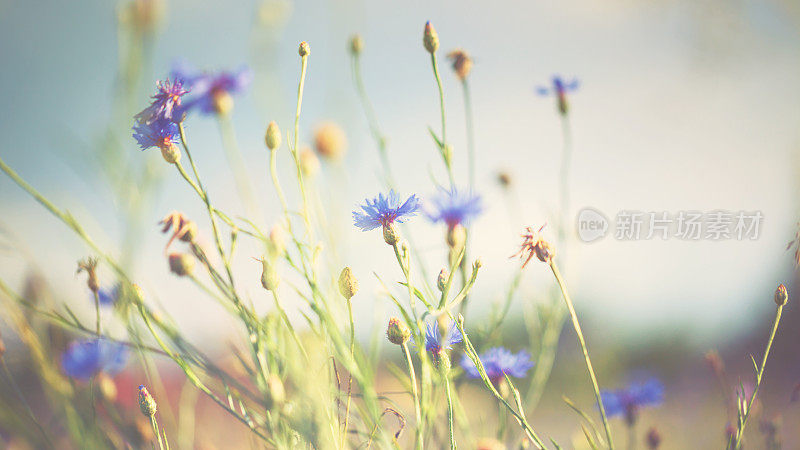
(309, 163)
(430, 39)
(781, 295)
(441, 282)
(348, 285)
(356, 44)
(273, 136)
(304, 50)
(171, 153)
(462, 63)
(147, 404)
(390, 234)
(330, 141)
(89, 265)
(456, 236)
(397, 332)
(181, 264)
(222, 102)
(269, 276)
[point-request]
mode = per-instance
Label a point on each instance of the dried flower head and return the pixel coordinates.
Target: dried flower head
(462, 63)
(397, 332)
(534, 244)
(330, 141)
(89, 265)
(147, 404)
(182, 228)
(504, 178)
(304, 49)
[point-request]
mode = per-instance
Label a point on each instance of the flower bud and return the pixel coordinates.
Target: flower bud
(277, 241)
(356, 44)
(653, 438)
(147, 403)
(456, 237)
(269, 276)
(276, 394)
(504, 178)
(222, 102)
(348, 285)
(397, 332)
(390, 235)
(441, 282)
(330, 141)
(309, 163)
(430, 39)
(181, 264)
(781, 295)
(441, 360)
(304, 50)
(273, 136)
(171, 153)
(462, 63)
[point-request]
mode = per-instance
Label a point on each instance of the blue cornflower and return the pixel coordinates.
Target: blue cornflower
(497, 362)
(165, 102)
(211, 92)
(162, 133)
(86, 358)
(384, 211)
(435, 343)
(627, 401)
(108, 296)
(560, 88)
(455, 208)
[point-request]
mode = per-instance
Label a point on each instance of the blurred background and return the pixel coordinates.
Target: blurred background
(682, 105)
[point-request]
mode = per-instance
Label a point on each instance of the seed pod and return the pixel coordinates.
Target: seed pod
(348, 284)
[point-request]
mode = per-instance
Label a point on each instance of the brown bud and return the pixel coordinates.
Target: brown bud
(181, 264)
(462, 63)
(781, 295)
(330, 140)
(89, 265)
(304, 49)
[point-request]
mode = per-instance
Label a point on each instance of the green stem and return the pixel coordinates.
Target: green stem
(295, 151)
(585, 350)
(415, 394)
(445, 151)
(449, 410)
(349, 377)
(97, 312)
(470, 132)
(759, 375)
(156, 431)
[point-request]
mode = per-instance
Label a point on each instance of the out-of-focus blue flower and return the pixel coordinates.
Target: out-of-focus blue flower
(108, 296)
(455, 208)
(627, 401)
(165, 102)
(384, 210)
(560, 88)
(162, 133)
(435, 343)
(208, 88)
(86, 358)
(497, 362)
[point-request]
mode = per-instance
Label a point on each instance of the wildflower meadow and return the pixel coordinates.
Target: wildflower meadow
(247, 252)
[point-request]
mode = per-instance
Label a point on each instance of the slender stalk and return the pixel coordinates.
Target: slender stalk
(470, 131)
(154, 424)
(237, 164)
(294, 149)
(449, 410)
(415, 394)
(349, 377)
(759, 375)
(97, 312)
(585, 350)
(445, 151)
(371, 119)
(285, 317)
